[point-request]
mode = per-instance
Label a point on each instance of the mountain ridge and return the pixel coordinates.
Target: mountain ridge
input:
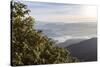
(85, 50)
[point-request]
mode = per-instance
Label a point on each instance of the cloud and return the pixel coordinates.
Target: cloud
(59, 12)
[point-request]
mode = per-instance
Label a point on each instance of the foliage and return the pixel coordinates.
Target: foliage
(30, 46)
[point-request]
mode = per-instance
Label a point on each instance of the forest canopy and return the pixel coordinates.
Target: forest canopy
(28, 45)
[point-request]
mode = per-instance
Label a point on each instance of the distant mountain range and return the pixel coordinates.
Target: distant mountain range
(85, 50)
(61, 31)
(70, 42)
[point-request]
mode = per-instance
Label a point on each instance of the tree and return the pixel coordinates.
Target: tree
(30, 46)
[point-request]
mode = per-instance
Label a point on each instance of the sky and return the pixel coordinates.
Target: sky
(59, 12)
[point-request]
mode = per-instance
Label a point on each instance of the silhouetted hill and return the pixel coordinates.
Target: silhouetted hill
(69, 42)
(85, 50)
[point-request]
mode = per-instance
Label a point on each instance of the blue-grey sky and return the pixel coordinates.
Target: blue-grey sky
(57, 12)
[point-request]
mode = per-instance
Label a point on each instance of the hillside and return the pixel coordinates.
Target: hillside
(85, 50)
(28, 45)
(69, 42)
